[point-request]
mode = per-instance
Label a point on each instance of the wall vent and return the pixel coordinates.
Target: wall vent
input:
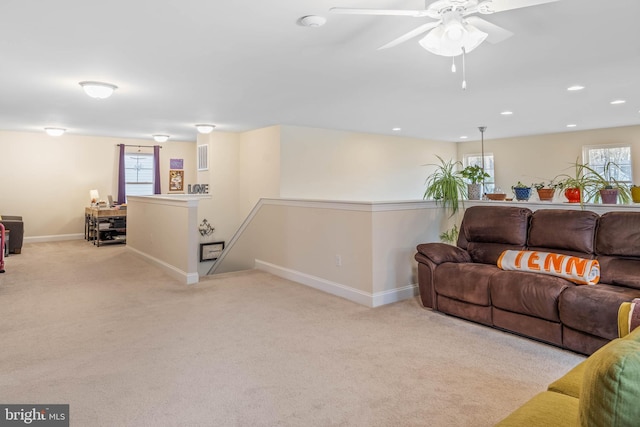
(203, 157)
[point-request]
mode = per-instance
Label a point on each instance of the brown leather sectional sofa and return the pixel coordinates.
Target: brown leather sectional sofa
(464, 280)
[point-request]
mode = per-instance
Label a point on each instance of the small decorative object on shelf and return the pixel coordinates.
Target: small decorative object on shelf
(546, 191)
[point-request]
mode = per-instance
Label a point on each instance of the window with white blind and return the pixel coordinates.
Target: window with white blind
(476, 159)
(139, 174)
(597, 157)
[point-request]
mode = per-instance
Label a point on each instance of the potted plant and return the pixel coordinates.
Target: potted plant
(578, 186)
(522, 191)
(635, 193)
(605, 187)
(546, 191)
(450, 236)
(476, 176)
(445, 185)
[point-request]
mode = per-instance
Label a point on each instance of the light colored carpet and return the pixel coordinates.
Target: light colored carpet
(126, 345)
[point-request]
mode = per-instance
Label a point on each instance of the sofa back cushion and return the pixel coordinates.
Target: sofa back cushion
(611, 385)
(565, 231)
(618, 248)
(489, 230)
(619, 234)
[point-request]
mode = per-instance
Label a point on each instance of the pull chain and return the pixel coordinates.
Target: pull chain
(464, 71)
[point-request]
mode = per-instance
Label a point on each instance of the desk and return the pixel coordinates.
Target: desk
(105, 225)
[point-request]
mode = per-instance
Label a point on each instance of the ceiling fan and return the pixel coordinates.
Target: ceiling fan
(454, 31)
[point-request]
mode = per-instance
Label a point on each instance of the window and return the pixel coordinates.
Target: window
(597, 156)
(139, 174)
(476, 159)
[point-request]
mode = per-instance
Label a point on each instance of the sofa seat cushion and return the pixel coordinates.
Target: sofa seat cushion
(611, 386)
(594, 309)
(465, 282)
(532, 294)
(546, 409)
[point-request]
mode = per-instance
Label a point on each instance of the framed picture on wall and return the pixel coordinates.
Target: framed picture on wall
(210, 251)
(176, 180)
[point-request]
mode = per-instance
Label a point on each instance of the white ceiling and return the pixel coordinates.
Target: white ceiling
(246, 64)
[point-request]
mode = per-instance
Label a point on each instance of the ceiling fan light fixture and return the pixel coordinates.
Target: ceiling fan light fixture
(439, 41)
(98, 90)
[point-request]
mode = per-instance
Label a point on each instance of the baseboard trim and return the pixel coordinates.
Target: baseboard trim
(183, 276)
(54, 238)
(360, 297)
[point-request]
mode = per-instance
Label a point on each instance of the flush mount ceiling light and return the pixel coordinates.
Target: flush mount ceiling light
(205, 128)
(618, 102)
(55, 131)
(161, 138)
(312, 21)
(571, 125)
(575, 88)
(396, 129)
(98, 90)
(507, 113)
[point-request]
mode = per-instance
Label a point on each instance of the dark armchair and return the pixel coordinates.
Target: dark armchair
(15, 225)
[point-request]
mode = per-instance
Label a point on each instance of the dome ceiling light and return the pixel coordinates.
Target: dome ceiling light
(98, 90)
(160, 138)
(55, 131)
(205, 128)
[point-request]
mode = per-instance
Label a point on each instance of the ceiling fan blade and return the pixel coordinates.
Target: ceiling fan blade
(495, 33)
(411, 34)
(391, 12)
(492, 6)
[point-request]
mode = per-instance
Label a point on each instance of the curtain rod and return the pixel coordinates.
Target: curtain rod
(139, 146)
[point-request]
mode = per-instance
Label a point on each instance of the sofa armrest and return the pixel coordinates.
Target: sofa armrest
(439, 253)
(429, 256)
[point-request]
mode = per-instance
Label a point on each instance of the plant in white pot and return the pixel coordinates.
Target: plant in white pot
(476, 176)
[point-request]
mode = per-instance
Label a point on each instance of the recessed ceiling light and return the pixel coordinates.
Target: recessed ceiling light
(98, 90)
(572, 125)
(55, 131)
(618, 101)
(396, 129)
(312, 21)
(161, 138)
(204, 128)
(464, 137)
(507, 113)
(575, 88)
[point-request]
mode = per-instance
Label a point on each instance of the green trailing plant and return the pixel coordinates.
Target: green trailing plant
(581, 179)
(475, 174)
(606, 180)
(521, 185)
(445, 185)
(546, 185)
(450, 236)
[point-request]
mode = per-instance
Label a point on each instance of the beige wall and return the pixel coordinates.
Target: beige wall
(542, 157)
(47, 180)
(258, 167)
(361, 251)
(336, 165)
